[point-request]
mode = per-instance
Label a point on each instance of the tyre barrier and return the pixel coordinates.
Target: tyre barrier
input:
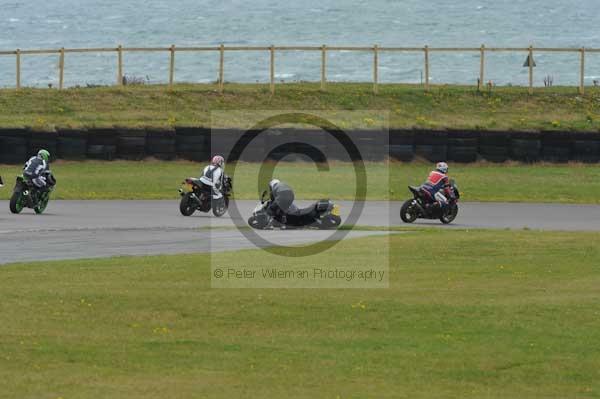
(431, 145)
(401, 145)
(102, 144)
(71, 144)
(463, 146)
(197, 144)
(161, 144)
(45, 140)
(14, 146)
(586, 151)
(494, 146)
(131, 144)
(192, 143)
(526, 149)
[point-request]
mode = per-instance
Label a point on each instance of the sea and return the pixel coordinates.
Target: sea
(52, 24)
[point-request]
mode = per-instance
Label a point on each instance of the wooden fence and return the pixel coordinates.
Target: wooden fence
(271, 51)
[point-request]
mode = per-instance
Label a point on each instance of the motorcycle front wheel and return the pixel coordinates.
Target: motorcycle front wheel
(187, 206)
(16, 202)
(42, 204)
(408, 212)
(259, 222)
(449, 214)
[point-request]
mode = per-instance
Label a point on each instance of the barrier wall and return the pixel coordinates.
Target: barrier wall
(16, 145)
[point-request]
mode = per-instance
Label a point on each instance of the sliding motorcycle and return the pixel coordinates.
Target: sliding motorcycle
(27, 195)
(322, 215)
(197, 196)
(423, 206)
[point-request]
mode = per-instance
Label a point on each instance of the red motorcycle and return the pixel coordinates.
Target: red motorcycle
(424, 207)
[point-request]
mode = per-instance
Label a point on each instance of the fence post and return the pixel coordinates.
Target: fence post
(375, 69)
(221, 67)
(120, 65)
(323, 66)
(426, 49)
(61, 68)
(481, 67)
(172, 65)
(18, 54)
(530, 69)
(272, 69)
(582, 72)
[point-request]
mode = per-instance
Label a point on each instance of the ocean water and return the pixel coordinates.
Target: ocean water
(35, 24)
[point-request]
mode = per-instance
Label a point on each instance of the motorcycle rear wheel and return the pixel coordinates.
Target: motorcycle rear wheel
(330, 222)
(16, 203)
(408, 213)
(220, 207)
(449, 214)
(187, 206)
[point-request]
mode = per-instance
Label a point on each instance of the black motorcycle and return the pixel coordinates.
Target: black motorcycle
(424, 207)
(197, 196)
(27, 195)
(323, 215)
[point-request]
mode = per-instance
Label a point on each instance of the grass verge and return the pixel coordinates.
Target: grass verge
(89, 180)
(556, 108)
(492, 314)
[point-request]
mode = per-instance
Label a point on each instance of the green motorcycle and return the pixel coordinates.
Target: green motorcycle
(27, 195)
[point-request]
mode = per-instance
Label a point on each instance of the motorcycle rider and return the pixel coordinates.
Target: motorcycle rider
(438, 185)
(35, 169)
(282, 200)
(212, 176)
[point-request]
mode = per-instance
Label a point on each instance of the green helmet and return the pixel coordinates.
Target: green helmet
(45, 155)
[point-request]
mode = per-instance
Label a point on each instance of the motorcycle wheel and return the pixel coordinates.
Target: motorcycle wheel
(16, 203)
(330, 222)
(258, 222)
(408, 213)
(449, 214)
(186, 205)
(42, 204)
(220, 207)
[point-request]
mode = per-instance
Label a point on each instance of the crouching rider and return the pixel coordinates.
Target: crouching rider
(212, 176)
(36, 168)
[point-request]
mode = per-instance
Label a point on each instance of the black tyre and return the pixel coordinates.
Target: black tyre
(330, 222)
(220, 207)
(409, 213)
(449, 214)
(259, 222)
(16, 203)
(187, 206)
(41, 206)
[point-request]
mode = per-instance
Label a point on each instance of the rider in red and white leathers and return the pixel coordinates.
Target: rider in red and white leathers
(438, 185)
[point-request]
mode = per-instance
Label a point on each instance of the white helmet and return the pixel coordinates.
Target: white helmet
(442, 167)
(273, 183)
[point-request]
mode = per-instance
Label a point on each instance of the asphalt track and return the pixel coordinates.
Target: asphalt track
(88, 229)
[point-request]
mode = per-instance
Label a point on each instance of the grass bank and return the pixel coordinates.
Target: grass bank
(574, 183)
(496, 314)
(556, 108)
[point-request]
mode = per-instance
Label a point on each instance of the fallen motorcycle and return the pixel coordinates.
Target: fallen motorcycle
(424, 207)
(27, 195)
(323, 215)
(197, 196)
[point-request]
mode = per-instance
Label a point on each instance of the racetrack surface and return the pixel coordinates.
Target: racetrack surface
(86, 229)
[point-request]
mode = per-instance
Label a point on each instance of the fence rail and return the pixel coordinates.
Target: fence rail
(323, 49)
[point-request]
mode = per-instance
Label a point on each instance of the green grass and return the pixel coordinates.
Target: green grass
(556, 108)
(573, 183)
(491, 314)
